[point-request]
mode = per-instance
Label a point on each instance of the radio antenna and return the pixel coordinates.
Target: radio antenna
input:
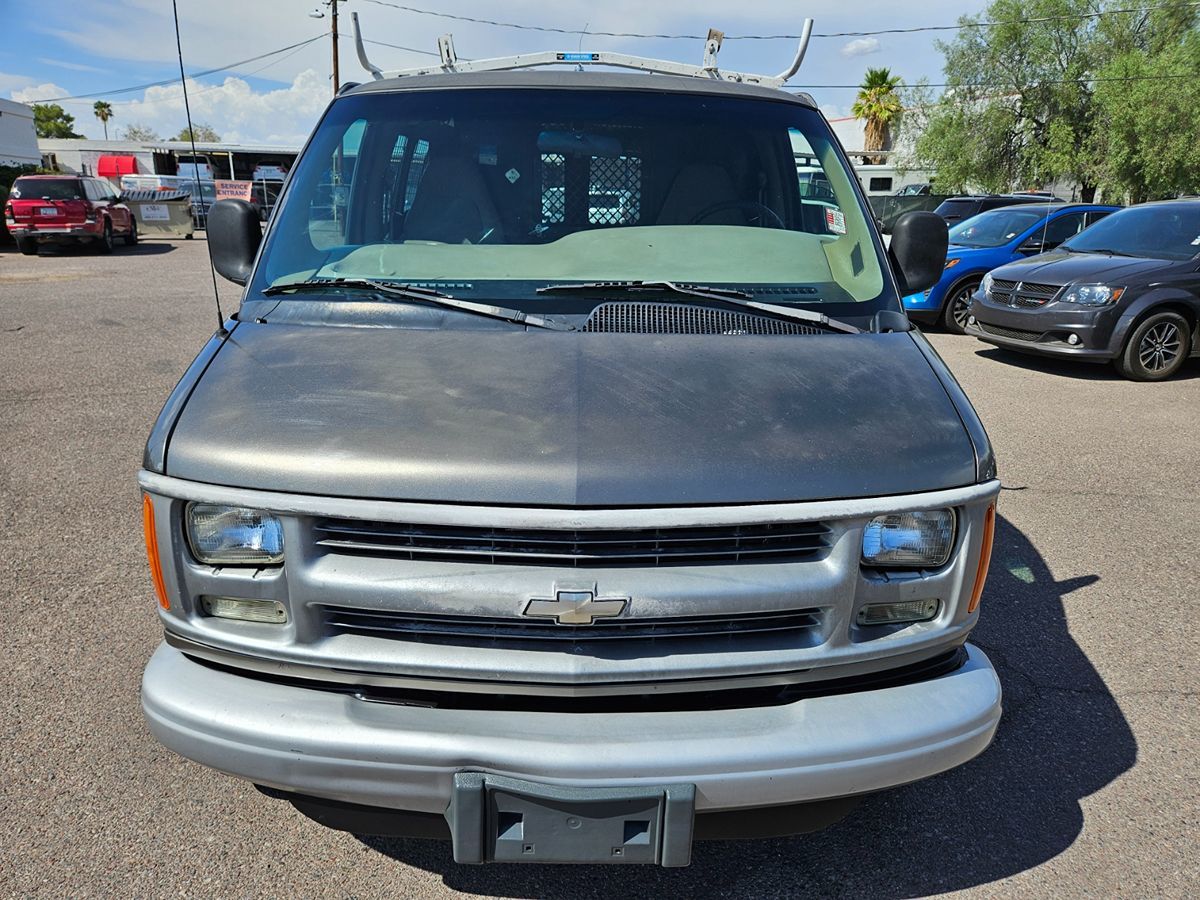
(196, 171)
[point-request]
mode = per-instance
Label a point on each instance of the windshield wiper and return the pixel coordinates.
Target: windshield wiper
(723, 295)
(1111, 252)
(421, 295)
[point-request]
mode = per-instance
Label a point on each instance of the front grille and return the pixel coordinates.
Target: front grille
(676, 318)
(774, 542)
(798, 627)
(1022, 293)
(1015, 333)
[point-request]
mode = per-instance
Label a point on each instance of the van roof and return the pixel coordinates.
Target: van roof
(581, 81)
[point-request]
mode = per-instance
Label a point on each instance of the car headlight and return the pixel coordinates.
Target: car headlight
(1092, 294)
(234, 535)
(987, 284)
(922, 538)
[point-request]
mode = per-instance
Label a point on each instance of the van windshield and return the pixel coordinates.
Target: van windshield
(502, 191)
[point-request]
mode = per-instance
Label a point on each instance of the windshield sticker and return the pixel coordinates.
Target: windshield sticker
(488, 156)
(512, 175)
(835, 220)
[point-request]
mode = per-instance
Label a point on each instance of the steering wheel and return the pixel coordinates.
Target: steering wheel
(739, 204)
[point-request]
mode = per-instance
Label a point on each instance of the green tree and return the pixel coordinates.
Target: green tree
(1023, 108)
(198, 132)
(878, 105)
(52, 121)
(103, 111)
(137, 132)
(1147, 137)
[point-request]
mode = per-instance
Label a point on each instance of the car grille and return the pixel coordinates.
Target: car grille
(675, 318)
(1022, 293)
(1015, 334)
(774, 542)
(798, 627)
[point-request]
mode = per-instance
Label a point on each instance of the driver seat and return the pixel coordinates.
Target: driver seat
(698, 186)
(452, 205)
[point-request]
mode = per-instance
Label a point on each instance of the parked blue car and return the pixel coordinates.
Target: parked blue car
(990, 239)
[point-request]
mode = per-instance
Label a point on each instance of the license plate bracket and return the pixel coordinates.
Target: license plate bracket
(498, 819)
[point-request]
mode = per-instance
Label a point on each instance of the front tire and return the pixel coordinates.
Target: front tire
(131, 239)
(1157, 348)
(27, 246)
(957, 306)
(104, 244)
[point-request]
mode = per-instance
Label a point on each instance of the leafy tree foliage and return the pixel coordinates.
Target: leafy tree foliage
(1033, 99)
(52, 121)
(198, 132)
(137, 132)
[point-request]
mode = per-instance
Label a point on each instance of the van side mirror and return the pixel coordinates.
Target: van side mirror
(234, 233)
(918, 250)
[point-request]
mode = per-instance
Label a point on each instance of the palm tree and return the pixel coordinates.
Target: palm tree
(878, 104)
(103, 111)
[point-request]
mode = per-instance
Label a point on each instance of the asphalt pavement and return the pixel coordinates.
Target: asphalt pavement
(1090, 789)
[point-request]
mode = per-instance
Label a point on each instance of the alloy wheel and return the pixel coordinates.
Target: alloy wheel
(1160, 346)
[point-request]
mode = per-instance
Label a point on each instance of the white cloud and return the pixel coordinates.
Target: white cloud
(37, 92)
(860, 47)
(73, 66)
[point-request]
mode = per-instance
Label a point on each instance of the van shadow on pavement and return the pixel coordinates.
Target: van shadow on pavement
(1062, 738)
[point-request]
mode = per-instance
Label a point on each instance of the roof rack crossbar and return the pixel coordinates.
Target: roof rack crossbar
(450, 63)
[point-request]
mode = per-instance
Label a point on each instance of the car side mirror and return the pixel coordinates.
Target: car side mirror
(1034, 246)
(918, 250)
(234, 233)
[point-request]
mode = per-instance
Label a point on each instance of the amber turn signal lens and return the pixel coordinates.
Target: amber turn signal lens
(156, 575)
(985, 556)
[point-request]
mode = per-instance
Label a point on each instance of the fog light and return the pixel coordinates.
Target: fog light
(245, 610)
(896, 613)
(1072, 339)
(970, 320)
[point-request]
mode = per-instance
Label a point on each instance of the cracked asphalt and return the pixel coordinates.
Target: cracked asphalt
(1090, 788)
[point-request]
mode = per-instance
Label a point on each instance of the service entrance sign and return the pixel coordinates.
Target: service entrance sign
(233, 190)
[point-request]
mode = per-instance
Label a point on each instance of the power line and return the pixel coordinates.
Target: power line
(1000, 84)
(767, 37)
(166, 81)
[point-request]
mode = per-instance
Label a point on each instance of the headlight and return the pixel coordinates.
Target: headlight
(987, 285)
(234, 535)
(1092, 294)
(923, 538)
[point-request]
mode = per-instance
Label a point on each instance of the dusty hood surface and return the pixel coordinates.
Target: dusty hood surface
(553, 419)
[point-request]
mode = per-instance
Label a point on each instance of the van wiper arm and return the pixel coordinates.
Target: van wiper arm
(421, 295)
(724, 295)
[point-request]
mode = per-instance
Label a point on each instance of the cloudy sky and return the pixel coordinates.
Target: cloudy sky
(74, 47)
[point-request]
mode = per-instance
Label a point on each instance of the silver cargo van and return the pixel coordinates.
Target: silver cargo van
(568, 530)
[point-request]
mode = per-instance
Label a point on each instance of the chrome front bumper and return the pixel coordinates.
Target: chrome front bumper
(334, 745)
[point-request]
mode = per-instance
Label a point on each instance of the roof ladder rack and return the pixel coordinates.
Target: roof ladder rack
(450, 63)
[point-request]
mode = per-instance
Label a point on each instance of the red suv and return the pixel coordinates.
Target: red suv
(66, 208)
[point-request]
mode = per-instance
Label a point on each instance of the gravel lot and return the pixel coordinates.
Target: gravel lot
(1090, 788)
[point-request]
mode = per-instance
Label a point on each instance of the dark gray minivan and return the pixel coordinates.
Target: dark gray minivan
(568, 528)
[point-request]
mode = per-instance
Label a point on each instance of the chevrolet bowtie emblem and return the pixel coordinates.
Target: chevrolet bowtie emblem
(576, 607)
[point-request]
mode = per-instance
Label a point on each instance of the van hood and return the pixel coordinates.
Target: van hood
(569, 419)
(1060, 267)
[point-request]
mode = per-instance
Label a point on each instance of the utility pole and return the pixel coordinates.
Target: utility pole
(333, 34)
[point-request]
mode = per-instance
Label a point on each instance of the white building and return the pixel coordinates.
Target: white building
(18, 137)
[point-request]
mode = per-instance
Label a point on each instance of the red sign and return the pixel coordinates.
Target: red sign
(233, 190)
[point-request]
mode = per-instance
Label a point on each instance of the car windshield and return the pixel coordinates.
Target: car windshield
(1154, 231)
(502, 191)
(46, 188)
(994, 228)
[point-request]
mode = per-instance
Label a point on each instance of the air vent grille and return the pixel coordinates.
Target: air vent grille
(681, 318)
